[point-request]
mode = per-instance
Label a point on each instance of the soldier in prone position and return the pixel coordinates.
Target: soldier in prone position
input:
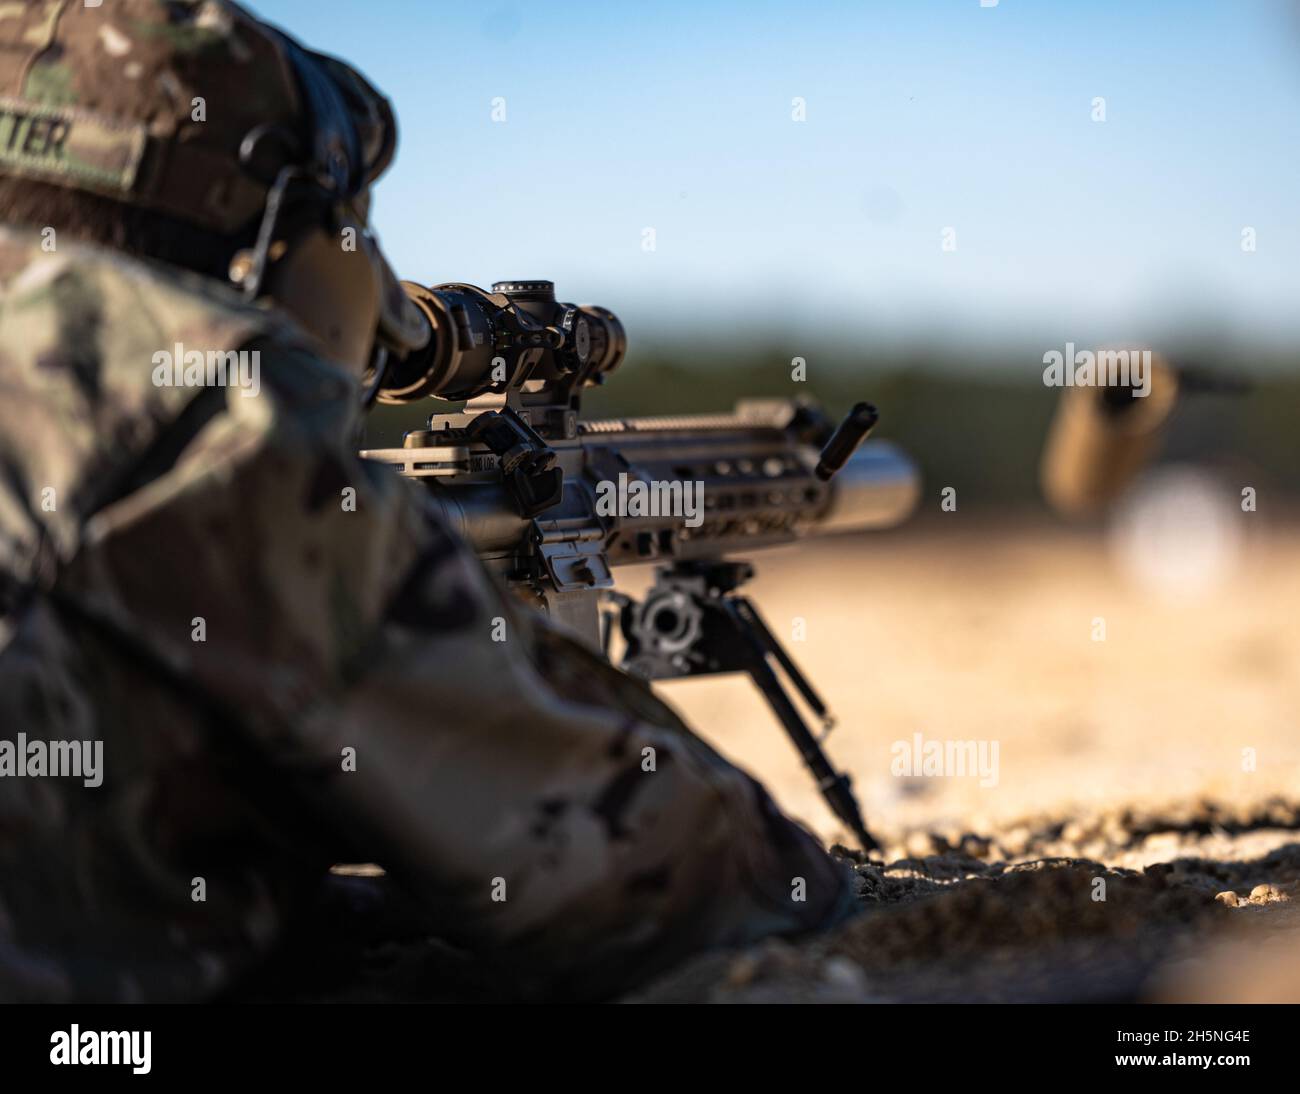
(287, 656)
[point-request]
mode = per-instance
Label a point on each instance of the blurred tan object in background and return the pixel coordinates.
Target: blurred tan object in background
(1101, 437)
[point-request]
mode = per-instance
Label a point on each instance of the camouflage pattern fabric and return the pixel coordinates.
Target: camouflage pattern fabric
(290, 663)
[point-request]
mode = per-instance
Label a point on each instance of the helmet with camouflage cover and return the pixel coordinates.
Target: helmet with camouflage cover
(199, 112)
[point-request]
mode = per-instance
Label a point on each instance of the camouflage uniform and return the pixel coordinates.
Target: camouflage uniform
(291, 663)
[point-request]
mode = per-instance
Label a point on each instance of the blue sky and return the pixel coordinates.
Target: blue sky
(920, 116)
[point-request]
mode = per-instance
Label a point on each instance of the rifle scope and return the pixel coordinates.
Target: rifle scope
(490, 342)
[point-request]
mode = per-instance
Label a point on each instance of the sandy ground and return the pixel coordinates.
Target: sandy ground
(985, 634)
(1162, 760)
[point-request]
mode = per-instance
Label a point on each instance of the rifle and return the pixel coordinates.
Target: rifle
(551, 502)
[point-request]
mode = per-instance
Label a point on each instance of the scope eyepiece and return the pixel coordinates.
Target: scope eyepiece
(496, 341)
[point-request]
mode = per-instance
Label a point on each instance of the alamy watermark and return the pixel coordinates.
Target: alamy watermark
(633, 497)
(60, 759)
(1105, 368)
(945, 759)
(181, 367)
(129, 1048)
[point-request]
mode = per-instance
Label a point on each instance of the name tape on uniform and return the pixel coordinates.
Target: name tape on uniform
(65, 144)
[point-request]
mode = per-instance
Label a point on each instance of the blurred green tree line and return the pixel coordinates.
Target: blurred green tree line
(972, 424)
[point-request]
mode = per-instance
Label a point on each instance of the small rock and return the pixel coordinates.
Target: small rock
(919, 844)
(976, 847)
(1263, 894)
(1227, 897)
(1095, 850)
(742, 970)
(1162, 843)
(1016, 841)
(842, 973)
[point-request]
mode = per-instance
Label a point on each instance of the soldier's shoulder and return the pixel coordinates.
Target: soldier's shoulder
(101, 354)
(87, 326)
(45, 278)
